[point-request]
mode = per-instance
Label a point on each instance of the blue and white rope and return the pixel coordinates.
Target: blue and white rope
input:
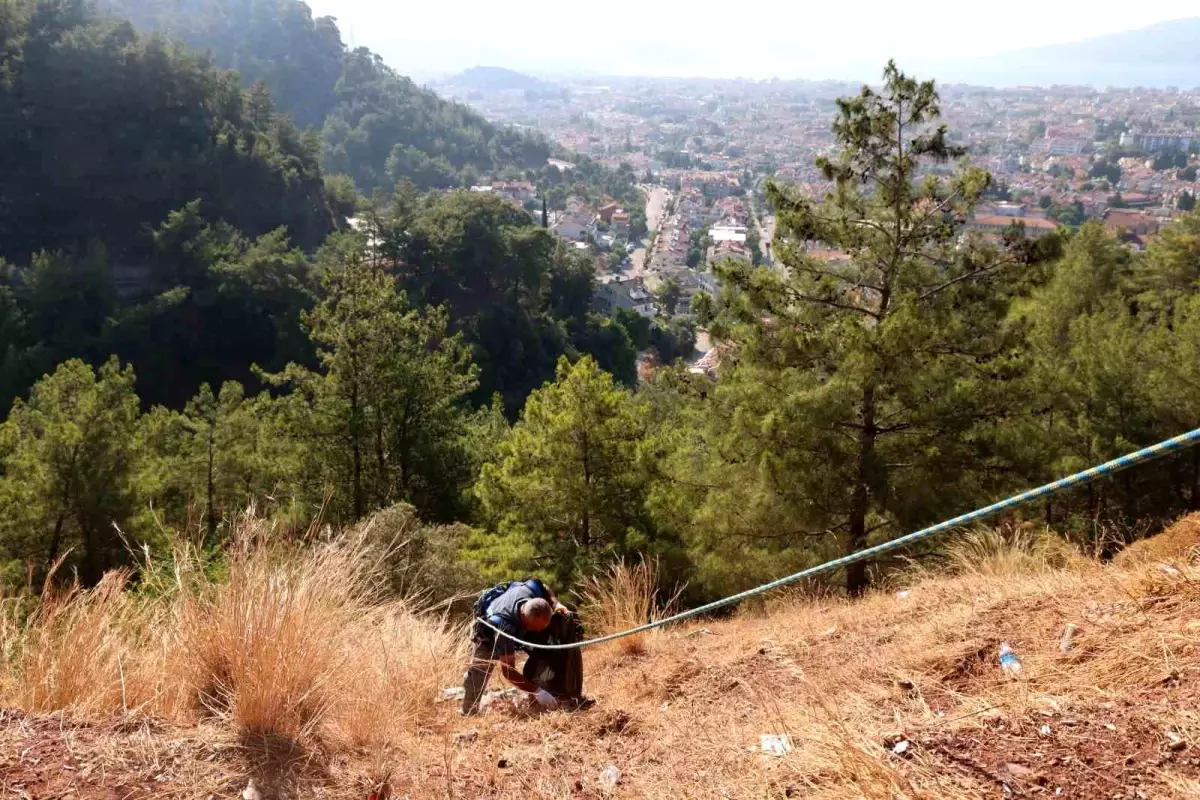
(1078, 479)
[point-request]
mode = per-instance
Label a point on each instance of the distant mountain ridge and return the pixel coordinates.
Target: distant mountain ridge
(1165, 54)
(495, 79)
(375, 125)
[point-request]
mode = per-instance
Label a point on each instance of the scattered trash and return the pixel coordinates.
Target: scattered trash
(502, 763)
(466, 736)
(1044, 730)
(1169, 571)
(906, 684)
(1110, 726)
(901, 747)
(903, 594)
(251, 791)
(664, 706)
(775, 744)
(499, 698)
(1067, 640)
(1175, 742)
(700, 632)
(1009, 661)
(1020, 770)
(1170, 678)
(453, 693)
(610, 776)
(830, 632)
(381, 791)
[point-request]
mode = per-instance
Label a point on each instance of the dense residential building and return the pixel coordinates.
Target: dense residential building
(1151, 142)
(1057, 155)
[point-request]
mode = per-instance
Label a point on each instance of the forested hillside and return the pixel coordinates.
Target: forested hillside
(376, 126)
(104, 131)
(148, 207)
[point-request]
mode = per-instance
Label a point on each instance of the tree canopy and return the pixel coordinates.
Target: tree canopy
(375, 125)
(106, 131)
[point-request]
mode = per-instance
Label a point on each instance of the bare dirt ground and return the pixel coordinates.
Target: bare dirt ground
(899, 695)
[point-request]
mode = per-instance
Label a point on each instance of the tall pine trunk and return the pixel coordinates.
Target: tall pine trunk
(56, 540)
(357, 446)
(860, 501)
(1194, 499)
(212, 520)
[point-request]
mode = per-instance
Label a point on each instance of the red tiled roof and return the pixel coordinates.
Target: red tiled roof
(997, 221)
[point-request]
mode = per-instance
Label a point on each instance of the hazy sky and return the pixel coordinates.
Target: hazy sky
(721, 38)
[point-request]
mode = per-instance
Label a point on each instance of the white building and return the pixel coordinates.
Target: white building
(728, 233)
(620, 291)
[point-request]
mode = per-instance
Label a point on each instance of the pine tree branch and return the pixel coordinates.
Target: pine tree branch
(980, 273)
(798, 295)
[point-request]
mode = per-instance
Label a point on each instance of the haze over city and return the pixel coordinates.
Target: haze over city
(757, 39)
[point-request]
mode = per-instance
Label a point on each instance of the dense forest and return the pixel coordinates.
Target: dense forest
(187, 328)
(148, 207)
(375, 126)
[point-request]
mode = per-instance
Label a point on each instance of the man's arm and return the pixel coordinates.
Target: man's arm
(558, 607)
(508, 668)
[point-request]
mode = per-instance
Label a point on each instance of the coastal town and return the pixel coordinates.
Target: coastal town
(704, 149)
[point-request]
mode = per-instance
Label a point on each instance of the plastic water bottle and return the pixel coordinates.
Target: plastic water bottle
(610, 777)
(1009, 661)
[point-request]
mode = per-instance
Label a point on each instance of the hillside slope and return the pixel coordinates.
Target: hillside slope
(377, 126)
(495, 79)
(1158, 55)
(106, 133)
(899, 695)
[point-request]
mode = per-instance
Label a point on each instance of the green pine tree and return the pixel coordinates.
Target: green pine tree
(222, 454)
(382, 414)
(68, 459)
(568, 487)
(859, 402)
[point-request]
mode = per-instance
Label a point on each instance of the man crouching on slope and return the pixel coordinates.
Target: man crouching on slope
(530, 611)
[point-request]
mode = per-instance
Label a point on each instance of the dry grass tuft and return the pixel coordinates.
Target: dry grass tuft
(412, 656)
(623, 597)
(70, 651)
(1181, 541)
(269, 644)
(1010, 551)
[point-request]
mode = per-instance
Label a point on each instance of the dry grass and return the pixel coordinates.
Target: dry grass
(269, 645)
(391, 693)
(846, 680)
(296, 642)
(1009, 551)
(623, 597)
(1179, 541)
(71, 650)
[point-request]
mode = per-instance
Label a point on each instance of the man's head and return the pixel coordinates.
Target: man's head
(536, 614)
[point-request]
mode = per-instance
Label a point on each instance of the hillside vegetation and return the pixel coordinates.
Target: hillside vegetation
(299, 671)
(376, 126)
(446, 356)
(496, 79)
(106, 131)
